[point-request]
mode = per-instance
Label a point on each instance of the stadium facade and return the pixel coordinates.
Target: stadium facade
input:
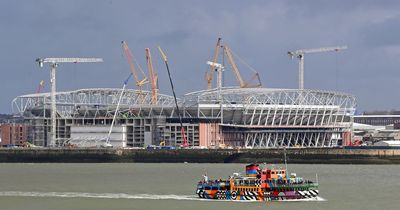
(235, 117)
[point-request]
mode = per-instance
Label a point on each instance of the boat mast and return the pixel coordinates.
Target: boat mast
(284, 152)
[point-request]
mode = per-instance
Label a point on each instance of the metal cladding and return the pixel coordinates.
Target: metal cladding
(245, 117)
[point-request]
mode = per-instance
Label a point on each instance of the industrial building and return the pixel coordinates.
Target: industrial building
(230, 117)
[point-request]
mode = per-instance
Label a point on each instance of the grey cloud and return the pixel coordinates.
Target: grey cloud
(383, 34)
(261, 32)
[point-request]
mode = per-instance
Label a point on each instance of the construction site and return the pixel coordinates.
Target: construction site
(243, 116)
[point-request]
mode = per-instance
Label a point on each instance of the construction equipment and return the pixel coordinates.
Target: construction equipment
(107, 143)
(185, 143)
(300, 55)
(40, 87)
(153, 77)
(242, 83)
(219, 68)
(39, 90)
(210, 73)
(138, 81)
(54, 62)
(228, 52)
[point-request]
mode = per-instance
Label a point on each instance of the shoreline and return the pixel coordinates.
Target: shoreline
(294, 155)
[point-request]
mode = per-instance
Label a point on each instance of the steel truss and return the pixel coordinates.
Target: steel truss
(305, 118)
(271, 107)
(93, 103)
(293, 138)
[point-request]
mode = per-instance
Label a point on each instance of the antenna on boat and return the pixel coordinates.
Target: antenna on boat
(284, 152)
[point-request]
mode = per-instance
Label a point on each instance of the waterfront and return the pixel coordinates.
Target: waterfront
(354, 155)
(172, 186)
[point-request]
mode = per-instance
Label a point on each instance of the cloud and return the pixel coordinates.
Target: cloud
(260, 32)
(383, 34)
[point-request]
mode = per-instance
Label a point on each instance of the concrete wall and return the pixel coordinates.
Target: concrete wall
(210, 135)
(271, 156)
(118, 137)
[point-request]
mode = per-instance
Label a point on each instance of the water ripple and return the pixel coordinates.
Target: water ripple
(118, 196)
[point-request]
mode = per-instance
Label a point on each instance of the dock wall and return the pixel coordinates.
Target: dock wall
(309, 155)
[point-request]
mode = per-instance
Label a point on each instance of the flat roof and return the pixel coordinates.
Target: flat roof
(375, 116)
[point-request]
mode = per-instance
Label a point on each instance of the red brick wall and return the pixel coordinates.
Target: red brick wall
(14, 134)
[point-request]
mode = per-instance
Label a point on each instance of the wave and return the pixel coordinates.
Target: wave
(122, 196)
(98, 195)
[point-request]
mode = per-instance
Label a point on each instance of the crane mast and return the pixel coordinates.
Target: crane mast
(107, 143)
(300, 55)
(185, 143)
(40, 86)
(138, 82)
(210, 73)
(54, 62)
(234, 67)
(230, 55)
(153, 77)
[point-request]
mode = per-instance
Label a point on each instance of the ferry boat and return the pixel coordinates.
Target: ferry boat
(258, 184)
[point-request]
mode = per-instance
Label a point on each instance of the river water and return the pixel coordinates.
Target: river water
(172, 186)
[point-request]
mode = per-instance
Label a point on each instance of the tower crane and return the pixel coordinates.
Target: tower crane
(153, 77)
(54, 62)
(236, 72)
(210, 73)
(300, 55)
(138, 82)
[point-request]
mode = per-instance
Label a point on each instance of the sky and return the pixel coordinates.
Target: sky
(258, 32)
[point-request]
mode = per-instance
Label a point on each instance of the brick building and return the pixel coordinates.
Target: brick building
(13, 134)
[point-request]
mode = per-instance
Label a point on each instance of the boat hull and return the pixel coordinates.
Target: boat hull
(257, 196)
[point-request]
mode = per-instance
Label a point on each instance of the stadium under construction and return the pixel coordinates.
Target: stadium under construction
(246, 116)
(237, 117)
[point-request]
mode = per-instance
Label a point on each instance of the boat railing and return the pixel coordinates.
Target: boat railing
(214, 183)
(297, 185)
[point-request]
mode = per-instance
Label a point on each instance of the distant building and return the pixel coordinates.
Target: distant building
(388, 143)
(13, 134)
(377, 120)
